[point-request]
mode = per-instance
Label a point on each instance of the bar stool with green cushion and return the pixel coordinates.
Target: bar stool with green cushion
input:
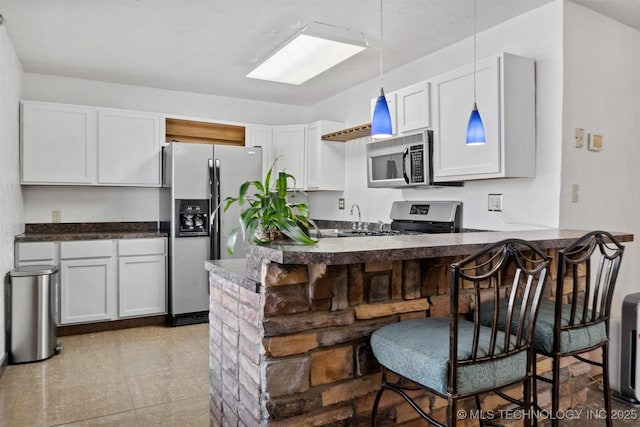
(577, 321)
(456, 358)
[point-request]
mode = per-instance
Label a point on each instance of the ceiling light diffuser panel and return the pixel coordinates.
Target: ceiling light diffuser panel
(315, 49)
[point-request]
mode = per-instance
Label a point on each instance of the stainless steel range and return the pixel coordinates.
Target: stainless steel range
(411, 216)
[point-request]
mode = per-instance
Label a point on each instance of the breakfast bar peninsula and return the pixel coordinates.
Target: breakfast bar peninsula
(290, 325)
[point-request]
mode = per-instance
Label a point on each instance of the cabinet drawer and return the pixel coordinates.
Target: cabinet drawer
(153, 246)
(86, 249)
(35, 251)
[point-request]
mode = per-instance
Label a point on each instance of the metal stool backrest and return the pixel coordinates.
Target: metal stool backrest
(510, 272)
(589, 296)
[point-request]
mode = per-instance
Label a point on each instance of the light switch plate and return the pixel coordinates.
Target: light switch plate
(56, 216)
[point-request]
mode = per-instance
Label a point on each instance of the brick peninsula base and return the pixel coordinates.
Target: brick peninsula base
(289, 340)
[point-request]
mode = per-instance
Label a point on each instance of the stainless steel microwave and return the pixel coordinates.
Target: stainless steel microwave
(403, 161)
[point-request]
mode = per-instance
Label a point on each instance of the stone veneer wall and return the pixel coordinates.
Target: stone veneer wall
(298, 353)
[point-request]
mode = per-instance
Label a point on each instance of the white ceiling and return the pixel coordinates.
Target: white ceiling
(208, 46)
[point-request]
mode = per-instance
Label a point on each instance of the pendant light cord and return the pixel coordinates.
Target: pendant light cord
(474, 51)
(381, 43)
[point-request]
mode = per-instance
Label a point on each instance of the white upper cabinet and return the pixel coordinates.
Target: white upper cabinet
(409, 108)
(82, 145)
(324, 167)
(506, 102)
(413, 107)
(128, 147)
(289, 142)
(261, 136)
(58, 144)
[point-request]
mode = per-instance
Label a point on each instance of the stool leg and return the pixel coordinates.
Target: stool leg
(452, 413)
(555, 391)
(526, 401)
(605, 382)
(374, 411)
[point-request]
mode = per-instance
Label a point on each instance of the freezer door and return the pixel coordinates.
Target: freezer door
(232, 167)
(189, 280)
(190, 170)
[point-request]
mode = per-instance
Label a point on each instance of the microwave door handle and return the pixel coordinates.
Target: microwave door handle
(405, 154)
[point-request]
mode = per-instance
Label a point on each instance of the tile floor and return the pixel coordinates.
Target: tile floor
(147, 376)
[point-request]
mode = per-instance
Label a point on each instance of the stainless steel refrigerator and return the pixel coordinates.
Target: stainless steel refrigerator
(196, 180)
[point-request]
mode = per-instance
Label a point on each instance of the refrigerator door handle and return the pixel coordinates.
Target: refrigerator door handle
(212, 208)
(216, 217)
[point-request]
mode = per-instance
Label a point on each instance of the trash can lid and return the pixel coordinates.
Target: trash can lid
(33, 270)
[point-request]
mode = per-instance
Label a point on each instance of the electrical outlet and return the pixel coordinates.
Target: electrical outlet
(495, 202)
(579, 137)
(341, 203)
(56, 216)
(575, 193)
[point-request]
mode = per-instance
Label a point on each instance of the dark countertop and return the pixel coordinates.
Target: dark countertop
(43, 232)
(233, 270)
(350, 250)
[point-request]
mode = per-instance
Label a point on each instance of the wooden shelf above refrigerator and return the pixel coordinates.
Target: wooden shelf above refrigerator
(204, 132)
(345, 135)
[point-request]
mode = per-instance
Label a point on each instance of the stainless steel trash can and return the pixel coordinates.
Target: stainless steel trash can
(32, 302)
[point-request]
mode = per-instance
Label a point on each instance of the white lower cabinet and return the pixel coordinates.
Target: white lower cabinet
(142, 286)
(102, 280)
(87, 290)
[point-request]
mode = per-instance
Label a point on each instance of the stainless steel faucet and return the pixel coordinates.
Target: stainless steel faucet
(359, 223)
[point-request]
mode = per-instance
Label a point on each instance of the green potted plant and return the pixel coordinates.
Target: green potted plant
(271, 213)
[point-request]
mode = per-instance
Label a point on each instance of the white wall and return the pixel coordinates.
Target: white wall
(11, 222)
(528, 203)
(91, 204)
(601, 92)
(42, 87)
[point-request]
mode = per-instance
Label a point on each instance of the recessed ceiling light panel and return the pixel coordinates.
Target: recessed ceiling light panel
(315, 49)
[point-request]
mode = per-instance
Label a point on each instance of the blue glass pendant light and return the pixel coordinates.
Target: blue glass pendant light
(381, 120)
(475, 128)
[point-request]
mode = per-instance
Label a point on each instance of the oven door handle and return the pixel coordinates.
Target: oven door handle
(405, 154)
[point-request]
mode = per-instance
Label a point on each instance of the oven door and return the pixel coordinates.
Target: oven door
(397, 166)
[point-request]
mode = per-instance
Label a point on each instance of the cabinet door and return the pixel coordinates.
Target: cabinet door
(324, 160)
(88, 291)
(452, 104)
(289, 150)
(142, 285)
(413, 107)
(128, 148)
(262, 136)
(58, 144)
